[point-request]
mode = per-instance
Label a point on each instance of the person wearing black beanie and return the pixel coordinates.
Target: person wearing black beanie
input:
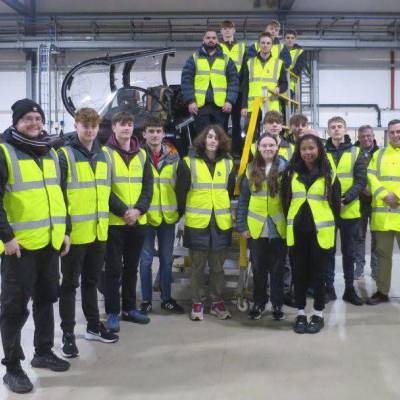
(22, 107)
(33, 232)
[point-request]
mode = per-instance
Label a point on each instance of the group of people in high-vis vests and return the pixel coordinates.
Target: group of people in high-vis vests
(223, 77)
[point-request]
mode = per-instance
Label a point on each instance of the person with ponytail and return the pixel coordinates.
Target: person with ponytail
(260, 219)
(311, 201)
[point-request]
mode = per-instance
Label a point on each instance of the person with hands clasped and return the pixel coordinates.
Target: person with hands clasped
(260, 219)
(131, 193)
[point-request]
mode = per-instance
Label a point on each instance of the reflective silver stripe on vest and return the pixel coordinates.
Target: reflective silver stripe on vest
(275, 76)
(81, 185)
(316, 197)
(126, 179)
(18, 187)
(389, 178)
(241, 53)
(379, 161)
(72, 165)
(325, 224)
(296, 56)
(155, 208)
(89, 217)
(222, 211)
(196, 210)
(261, 79)
(379, 190)
(18, 184)
(257, 217)
(290, 221)
(217, 71)
(197, 185)
(371, 171)
(344, 175)
(386, 210)
(20, 226)
(278, 217)
(259, 194)
(298, 195)
(169, 207)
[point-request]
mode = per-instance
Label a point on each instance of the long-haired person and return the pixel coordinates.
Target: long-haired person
(311, 200)
(205, 182)
(260, 218)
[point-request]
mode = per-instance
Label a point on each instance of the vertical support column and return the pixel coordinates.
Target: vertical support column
(392, 79)
(29, 74)
(315, 89)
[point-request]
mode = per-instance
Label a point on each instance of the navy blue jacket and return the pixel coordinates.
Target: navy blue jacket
(189, 71)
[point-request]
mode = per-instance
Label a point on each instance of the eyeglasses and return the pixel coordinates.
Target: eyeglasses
(30, 120)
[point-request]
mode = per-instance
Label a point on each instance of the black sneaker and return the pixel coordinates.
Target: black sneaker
(277, 313)
(315, 325)
(69, 348)
(300, 324)
(50, 361)
(350, 296)
(172, 306)
(330, 294)
(256, 311)
(101, 334)
(145, 307)
(17, 381)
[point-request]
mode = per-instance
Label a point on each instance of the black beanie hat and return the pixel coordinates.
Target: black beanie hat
(24, 106)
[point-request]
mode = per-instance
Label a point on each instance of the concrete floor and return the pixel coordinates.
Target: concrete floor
(356, 356)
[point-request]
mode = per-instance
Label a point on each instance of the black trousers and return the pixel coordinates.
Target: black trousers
(309, 262)
(35, 275)
(124, 246)
(208, 114)
(237, 140)
(83, 261)
(267, 257)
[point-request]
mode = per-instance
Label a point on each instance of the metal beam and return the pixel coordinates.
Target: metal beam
(138, 44)
(17, 6)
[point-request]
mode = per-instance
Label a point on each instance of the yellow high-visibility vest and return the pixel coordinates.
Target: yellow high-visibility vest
(322, 213)
(384, 176)
(344, 171)
(295, 54)
(263, 76)
(164, 205)
(33, 199)
(216, 75)
(88, 195)
(127, 182)
(262, 206)
(208, 194)
(235, 53)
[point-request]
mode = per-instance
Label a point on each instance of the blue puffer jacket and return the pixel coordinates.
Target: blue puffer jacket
(189, 71)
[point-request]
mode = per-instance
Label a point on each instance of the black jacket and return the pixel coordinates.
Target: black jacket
(6, 232)
(282, 81)
(359, 169)
(189, 72)
(211, 237)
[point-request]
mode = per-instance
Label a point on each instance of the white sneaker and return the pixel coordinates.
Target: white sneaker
(197, 313)
(218, 309)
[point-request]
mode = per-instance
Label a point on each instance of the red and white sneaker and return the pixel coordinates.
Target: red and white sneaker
(218, 309)
(197, 313)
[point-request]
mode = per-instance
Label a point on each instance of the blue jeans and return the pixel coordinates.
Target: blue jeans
(166, 236)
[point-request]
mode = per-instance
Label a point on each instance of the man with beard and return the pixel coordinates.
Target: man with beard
(210, 83)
